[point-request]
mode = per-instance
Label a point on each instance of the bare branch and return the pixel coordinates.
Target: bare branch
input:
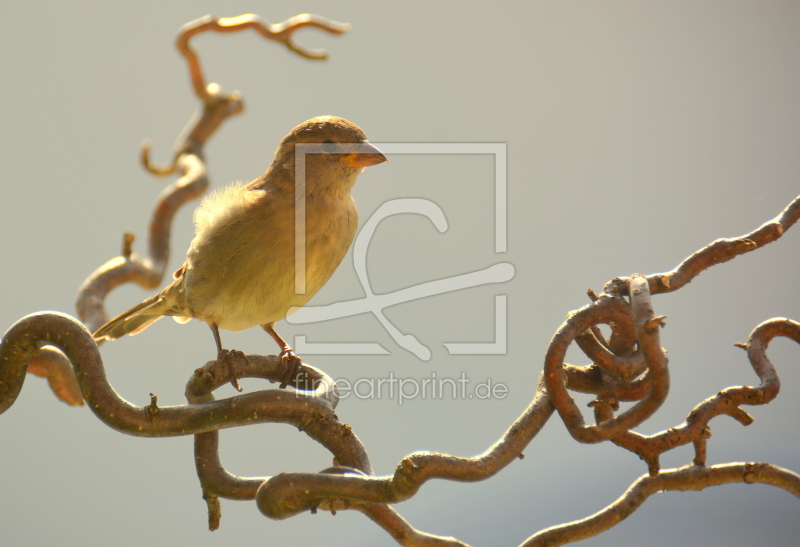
(129, 268)
(716, 252)
(682, 479)
(630, 365)
(609, 310)
(695, 429)
(280, 32)
(625, 367)
(26, 336)
(187, 160)
(288, 494)
(401, 531)
(215, 480)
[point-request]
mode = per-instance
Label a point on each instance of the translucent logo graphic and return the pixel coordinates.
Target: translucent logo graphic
(499, 272)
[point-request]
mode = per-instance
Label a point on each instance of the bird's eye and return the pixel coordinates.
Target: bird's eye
(330, 147)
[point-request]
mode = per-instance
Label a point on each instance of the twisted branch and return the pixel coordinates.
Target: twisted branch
(23, 340)
(682, 479)
(279, 32)
(288, 494)
(716, 252)
(187, 161)
(146, 272)
(610, 310)
(630, 366)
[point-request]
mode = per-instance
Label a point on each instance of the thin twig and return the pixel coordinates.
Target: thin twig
(716, 252)
(279, 32)
(682, 479)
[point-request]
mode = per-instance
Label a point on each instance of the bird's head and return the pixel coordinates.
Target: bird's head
(326, 151)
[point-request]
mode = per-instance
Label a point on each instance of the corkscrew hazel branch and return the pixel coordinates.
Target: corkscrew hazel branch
(682, 479)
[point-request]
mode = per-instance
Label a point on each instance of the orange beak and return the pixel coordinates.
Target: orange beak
(364, 155)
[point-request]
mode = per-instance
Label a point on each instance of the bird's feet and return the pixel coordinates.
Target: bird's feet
(230, 356)
(292, 363)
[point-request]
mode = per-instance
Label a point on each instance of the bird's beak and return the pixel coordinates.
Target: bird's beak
(364, 155)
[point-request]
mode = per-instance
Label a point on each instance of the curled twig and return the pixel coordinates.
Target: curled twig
(326, 429)
(217, 108)
(624, 367)
(606, 309)
(728, 401)
(216, 105)
(401, 531)
(716, 252)
(23, 340)
(322, 427)
(279, 32)
(149, 271)
(682, 479)
(630, 365)
(187, 160)
(288, 494)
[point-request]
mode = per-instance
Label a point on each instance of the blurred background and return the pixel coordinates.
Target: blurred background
(636, 133)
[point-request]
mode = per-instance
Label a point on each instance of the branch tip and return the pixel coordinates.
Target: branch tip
(127, 245)
(159, 171)
(280, 32)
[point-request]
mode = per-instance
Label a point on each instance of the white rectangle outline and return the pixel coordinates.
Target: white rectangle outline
(498, 149)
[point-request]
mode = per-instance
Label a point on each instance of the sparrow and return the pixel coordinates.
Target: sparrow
(240, 267)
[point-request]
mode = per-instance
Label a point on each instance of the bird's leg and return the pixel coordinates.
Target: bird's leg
(288, 357)
(228, 356)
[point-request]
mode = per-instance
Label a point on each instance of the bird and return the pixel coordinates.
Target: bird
(240, 267)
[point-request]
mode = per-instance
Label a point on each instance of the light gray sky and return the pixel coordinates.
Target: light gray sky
(636, 132)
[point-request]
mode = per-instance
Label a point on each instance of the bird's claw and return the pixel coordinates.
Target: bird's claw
(292, 363)
(230, 356)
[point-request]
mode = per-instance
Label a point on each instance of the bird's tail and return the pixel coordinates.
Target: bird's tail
(135, 320)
